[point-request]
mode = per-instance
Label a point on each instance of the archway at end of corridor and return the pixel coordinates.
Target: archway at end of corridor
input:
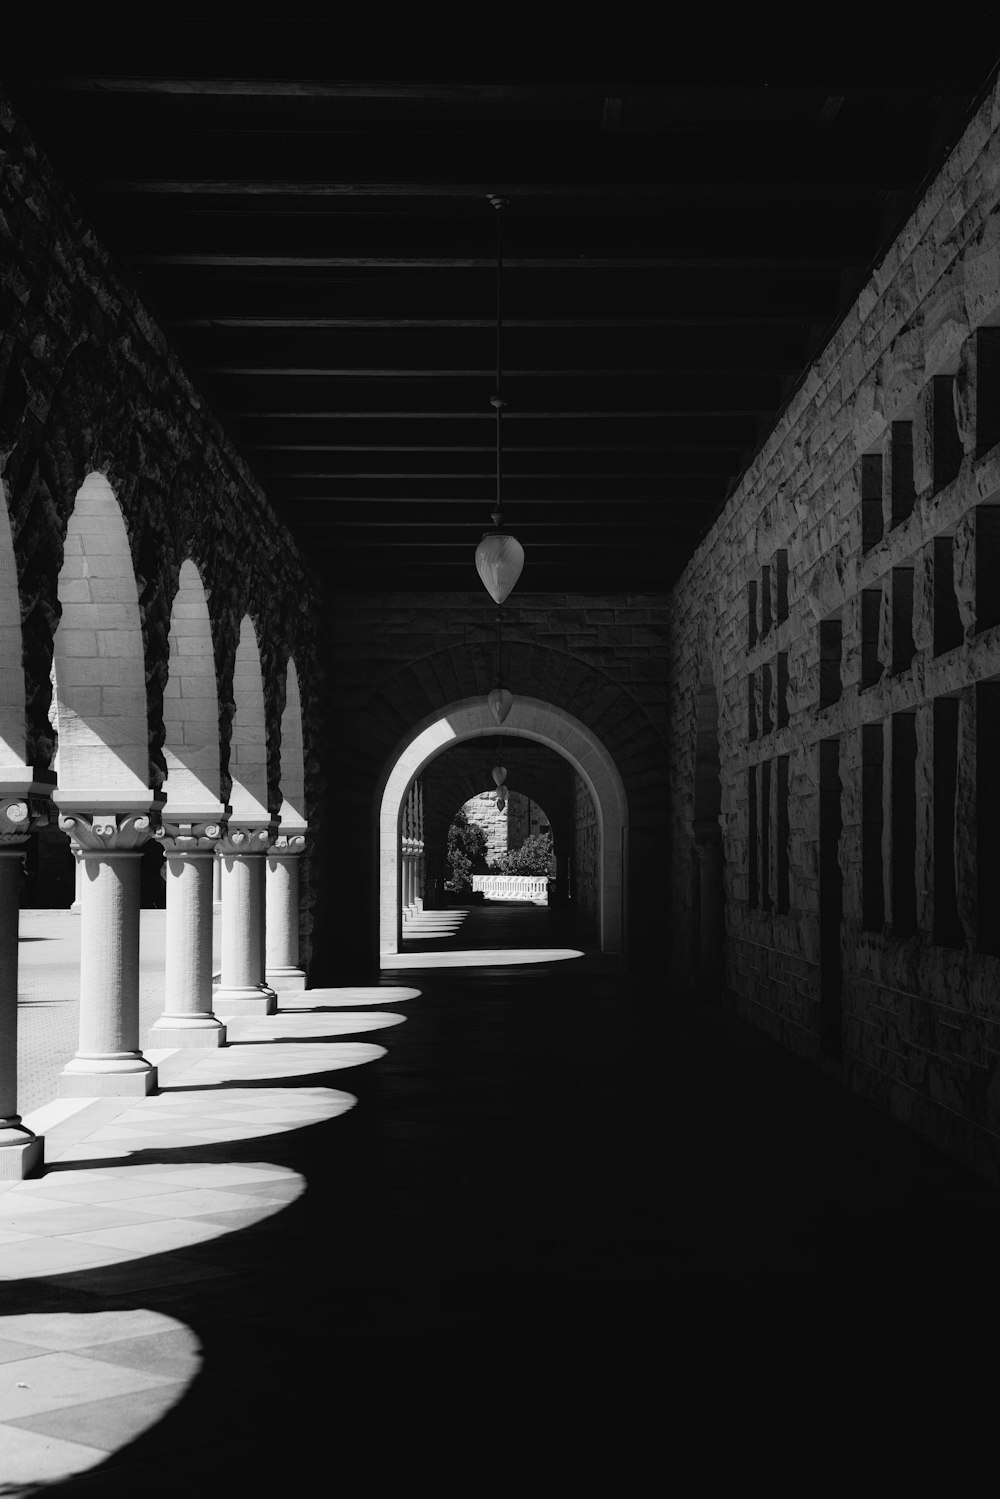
(529, 719)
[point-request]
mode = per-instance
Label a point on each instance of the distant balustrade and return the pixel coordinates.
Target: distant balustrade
(512, 886)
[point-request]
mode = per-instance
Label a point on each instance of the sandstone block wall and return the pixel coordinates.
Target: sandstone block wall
(585, 854)
(846, 608)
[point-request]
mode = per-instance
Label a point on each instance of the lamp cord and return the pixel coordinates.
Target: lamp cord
(497, 401)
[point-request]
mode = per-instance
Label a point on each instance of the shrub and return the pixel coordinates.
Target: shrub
(466, 854)
(533, 857)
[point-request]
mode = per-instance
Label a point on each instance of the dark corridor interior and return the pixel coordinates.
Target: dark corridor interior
(559, 1225)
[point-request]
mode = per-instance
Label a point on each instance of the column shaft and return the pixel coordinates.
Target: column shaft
(109, 1061)
(20, 1150)
(242, 991)
(282, 933)
(187, 1018)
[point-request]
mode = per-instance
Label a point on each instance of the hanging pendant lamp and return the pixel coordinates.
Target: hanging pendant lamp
(499, 556)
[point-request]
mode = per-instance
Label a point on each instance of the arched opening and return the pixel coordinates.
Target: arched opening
(708, 896)
(99, 668)
(191, 705)
(293, 776)
(12, 744)
(541, 723)
(248, 741)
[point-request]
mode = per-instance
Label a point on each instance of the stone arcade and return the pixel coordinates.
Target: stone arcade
(782, 768)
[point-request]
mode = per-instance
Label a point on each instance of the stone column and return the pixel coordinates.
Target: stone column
(282, 969)
(217, 885)
(109, 848)
(187, 1018)
(77, 880)
(407, 876)
(21, 1152)
(243, 991)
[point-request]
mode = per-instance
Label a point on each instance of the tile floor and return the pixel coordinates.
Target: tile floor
(524, 1226)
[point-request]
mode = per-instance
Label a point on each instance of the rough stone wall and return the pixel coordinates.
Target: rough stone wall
(484, 812)
(395, 661)
(585, 854)
(506, 830)
(846, 606)
(89, 383)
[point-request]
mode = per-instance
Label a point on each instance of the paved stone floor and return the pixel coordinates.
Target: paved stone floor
(48, 993)
(494, 1225)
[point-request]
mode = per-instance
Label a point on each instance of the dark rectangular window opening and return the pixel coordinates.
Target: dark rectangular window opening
(782, 853)
(751, 708)
(948, 632)
(831, 900)
(781, 585)
(947, 925)
(766, 687)
(871, 619)
(830, 641)
(903, 826)
(751, 614)
(782, 667)
(765, 835)
(872, 876)
(765, 600)
(903, 646)
(946, 445)
(901, 492)
(753, 840)
(987, 817)
(987, 389)
(987, 566)
(871, 500)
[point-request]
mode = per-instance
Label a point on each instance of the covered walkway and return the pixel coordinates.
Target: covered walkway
(489, 1224)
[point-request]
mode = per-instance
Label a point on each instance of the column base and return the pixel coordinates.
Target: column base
(285, 978)
(187, 1031)
(22, 1154)
(90, 1077)
(244, 1002)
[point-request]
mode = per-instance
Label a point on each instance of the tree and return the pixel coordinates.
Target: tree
(533, 857)
(466, 853)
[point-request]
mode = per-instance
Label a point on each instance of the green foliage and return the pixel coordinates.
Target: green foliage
(466, 853)
(533, 857)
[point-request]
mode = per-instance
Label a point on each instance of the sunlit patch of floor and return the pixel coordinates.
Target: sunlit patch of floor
(75, 1386)
(323, 999)
(479, 957)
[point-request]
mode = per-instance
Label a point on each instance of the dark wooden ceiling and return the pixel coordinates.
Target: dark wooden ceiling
(313, 228)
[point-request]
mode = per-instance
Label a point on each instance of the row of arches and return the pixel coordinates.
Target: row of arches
(99, 713)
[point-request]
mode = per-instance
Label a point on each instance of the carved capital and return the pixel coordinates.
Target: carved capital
(20, 816)
(288, 844)
(108, 832)
(243, 841)
(189, 837)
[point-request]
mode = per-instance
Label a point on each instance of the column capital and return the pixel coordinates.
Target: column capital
(288, 845)
(108, 832)
(243, 839)
(20, 816)
(194, 836)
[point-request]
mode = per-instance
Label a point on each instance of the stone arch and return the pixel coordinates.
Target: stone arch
(98, 654)
(530, 718)
(191, 702)
(293, 776)
(12, 744)
(248, 740)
